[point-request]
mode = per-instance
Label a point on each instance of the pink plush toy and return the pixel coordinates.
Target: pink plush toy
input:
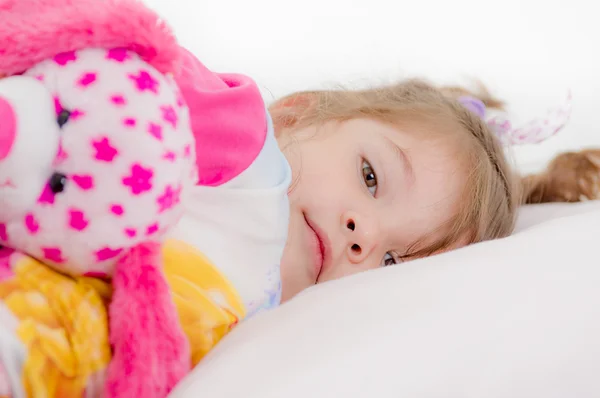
(95, 151)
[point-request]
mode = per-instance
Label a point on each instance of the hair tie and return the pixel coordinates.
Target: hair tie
(473, 104)
(533, 132)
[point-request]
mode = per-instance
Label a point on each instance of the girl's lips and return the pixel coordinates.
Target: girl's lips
(320, 247)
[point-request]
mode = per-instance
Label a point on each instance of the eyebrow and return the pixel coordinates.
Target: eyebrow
(401, 157)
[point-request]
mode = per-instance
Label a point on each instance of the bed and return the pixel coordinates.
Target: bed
(518, 317)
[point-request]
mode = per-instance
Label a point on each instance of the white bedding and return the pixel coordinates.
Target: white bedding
(518, 318)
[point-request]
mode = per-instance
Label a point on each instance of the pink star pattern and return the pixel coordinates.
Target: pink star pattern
(47, 196)
(170, 156)
(169, 198)
(104, 150)
(32, 224)
(117, 54)
(117, 210)
(180, 101)
(140, 180)
(118, 100)
(144, 81)
(53, 254)
(77, 220)
(169, 115)
(129, 122)
(187, 151)
(107, 253)
(155, 130)
(85, 182)
(152, 229)
(76, 114)
(64, 58)
(61, 156)
(57, 105)
(87, 79)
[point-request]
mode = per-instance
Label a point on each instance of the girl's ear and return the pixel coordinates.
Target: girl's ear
(288, 111)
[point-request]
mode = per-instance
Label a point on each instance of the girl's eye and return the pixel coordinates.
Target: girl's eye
(369, 177)
(388, 260)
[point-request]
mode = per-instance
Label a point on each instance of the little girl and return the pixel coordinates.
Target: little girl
(378, 177)
(319, 186)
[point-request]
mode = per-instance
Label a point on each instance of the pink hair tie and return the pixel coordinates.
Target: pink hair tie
(532, 132)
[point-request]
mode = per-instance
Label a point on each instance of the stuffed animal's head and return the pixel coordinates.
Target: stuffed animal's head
(95, 151)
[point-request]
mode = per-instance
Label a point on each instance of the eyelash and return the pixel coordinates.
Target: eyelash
(368, 171)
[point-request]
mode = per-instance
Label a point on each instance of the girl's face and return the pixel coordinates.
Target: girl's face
(362, 193)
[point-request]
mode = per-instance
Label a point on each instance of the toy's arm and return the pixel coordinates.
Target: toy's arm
(143, 328)
(232, 128)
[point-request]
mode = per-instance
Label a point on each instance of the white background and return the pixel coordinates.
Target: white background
(528, 52)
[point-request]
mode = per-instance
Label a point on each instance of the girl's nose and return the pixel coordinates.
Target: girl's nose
(8, 128)
(362, 233)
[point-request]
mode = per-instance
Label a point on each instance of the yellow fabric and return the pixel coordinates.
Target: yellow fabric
(63, 320)
(207, 303)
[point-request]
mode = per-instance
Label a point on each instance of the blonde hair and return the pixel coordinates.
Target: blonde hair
(569, 177)
(491, 190)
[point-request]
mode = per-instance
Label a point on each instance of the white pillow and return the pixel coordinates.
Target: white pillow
(518, 317)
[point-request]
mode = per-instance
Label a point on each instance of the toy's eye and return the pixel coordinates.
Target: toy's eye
(57, 182)
(63, 117)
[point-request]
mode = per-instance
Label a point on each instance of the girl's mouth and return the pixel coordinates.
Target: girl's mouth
(320, 248)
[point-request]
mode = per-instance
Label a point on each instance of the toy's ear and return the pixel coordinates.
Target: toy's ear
(151, 354)
(228, 119)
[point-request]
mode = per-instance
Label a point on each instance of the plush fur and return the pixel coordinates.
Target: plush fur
(142, 309)
(55, 26)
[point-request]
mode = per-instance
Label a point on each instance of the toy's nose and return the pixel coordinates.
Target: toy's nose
(8, 127)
